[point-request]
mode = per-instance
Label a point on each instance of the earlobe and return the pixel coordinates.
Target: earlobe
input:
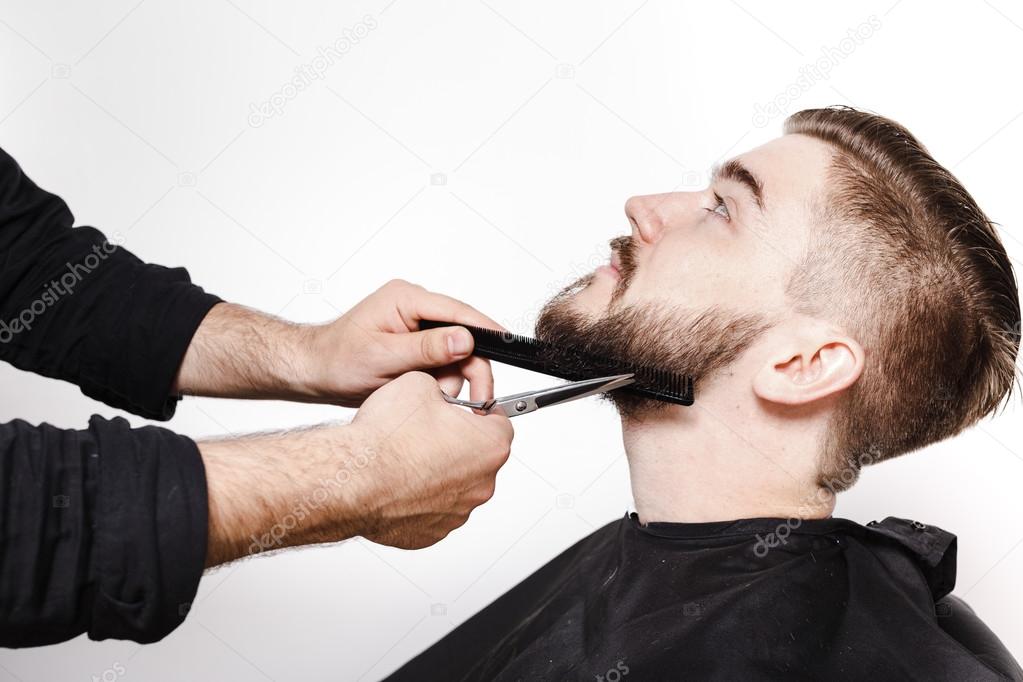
(799, 376)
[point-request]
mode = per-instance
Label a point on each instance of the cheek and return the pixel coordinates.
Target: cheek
(700, 275)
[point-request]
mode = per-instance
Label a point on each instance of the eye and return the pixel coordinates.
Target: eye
(719, 208)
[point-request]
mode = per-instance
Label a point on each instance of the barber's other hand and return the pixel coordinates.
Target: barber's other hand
(407, 471)
(433, 462)
(377, 340)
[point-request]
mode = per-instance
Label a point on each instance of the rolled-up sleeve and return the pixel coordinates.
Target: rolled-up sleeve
(102, 530)
(76, 306)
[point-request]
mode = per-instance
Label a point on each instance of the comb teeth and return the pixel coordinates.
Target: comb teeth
(539, 356)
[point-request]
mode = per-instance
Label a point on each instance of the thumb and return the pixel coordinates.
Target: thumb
(434, 347)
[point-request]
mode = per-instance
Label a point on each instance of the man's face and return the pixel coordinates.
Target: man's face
(703, 273)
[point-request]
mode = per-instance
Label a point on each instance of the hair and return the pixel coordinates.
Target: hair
(906, 262)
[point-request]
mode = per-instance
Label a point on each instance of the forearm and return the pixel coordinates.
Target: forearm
(407, 470)
(241, 353)
(276, 490)
(238, 352)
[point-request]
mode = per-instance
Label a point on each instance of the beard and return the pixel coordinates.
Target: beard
(685, 341)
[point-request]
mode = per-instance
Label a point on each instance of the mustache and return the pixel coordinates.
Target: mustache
(625, 248)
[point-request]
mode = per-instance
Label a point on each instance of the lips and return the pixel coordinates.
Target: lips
(616, 261)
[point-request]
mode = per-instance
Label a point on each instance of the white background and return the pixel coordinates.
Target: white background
(540, 119)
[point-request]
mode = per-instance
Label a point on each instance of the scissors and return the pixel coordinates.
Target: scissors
(524, 403)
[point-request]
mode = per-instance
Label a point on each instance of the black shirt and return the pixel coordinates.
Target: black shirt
(102, 530)
(754, 599)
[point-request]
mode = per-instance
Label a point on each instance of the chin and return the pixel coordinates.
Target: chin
(593, 298)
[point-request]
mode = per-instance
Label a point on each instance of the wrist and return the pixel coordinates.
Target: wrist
(299, 372)
(331, 367)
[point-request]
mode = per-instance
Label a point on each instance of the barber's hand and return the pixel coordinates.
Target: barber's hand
(434, 462)
(238, 352)
(377, 340)
(406, 472)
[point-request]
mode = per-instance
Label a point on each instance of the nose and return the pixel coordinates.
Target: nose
(645, 215)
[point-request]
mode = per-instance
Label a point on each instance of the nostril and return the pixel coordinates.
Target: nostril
(642, 218)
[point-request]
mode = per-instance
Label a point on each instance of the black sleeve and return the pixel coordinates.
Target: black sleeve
(77, 307)
(102, 530)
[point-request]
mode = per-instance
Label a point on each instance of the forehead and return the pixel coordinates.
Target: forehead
(792, 169)
(793, 172)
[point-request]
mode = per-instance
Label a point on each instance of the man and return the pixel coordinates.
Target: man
(107, 530)
(839, 299)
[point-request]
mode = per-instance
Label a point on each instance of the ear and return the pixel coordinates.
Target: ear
(808, 368)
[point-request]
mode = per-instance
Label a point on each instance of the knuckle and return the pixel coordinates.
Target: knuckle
(487, 492)
(497, 455)
(505, 432)
(453, 522)
(417, 378)
(417, 385)
(406, 286)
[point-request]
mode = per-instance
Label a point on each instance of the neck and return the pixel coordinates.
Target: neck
(718, 462)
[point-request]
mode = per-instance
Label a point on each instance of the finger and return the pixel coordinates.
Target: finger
(480, 375)
(427, 349)
(450, 382)
(427, 305)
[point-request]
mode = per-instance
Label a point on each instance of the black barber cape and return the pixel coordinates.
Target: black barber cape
(753, 599)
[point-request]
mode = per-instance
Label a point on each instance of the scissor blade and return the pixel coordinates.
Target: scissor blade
(582, 389)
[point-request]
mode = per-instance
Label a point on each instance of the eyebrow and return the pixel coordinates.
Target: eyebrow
(733, 169)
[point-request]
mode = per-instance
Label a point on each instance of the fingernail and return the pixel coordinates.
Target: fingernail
(459, 343)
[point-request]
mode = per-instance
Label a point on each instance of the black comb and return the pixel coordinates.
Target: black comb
(539, 356)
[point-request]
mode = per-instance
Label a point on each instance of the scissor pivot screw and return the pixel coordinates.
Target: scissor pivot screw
(520, 406)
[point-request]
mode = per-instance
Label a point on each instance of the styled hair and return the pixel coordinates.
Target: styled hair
(907, 263)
